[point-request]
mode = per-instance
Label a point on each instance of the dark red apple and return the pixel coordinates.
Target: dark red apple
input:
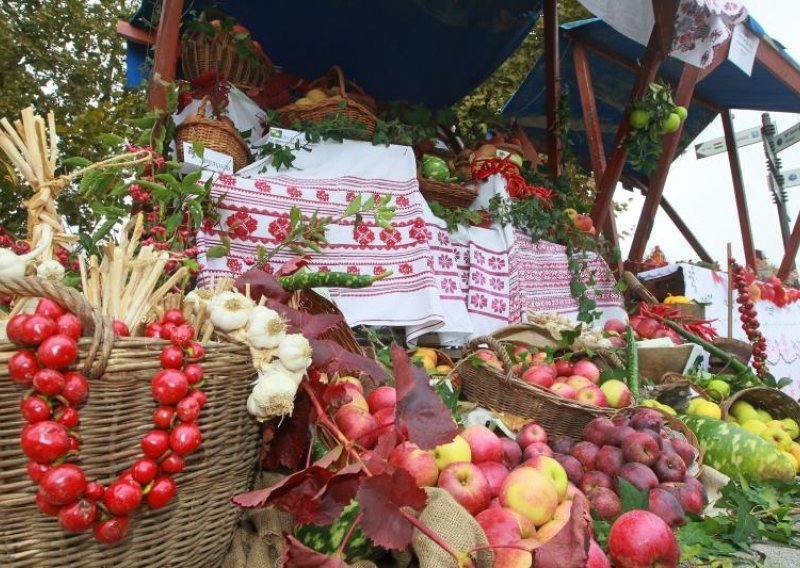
(684, 449)
(597, 558)
(649, 418)
(669, 467)
(638, 475)
(594, 479)
(572, 466)
(692, 499)
(495, 473)
(597, 430)
(536, 449)
(656, 437)
(609, 459)
(641, 539)
(618, 435)
(605, 503)
(512, 453)
(665, 505)
(586, 453)
(620, 420)
(561, 444)
(639, 447)
(692, 481)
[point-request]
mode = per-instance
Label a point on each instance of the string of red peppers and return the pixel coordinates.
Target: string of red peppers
(518, 188)
(749, 318)
(701, 328)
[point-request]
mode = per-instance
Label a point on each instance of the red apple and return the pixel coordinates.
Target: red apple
(658, 439)
(685, 450)
(616, 325)
(572, 466)
(385, 419)
(605, 503)
(562, 444)
(466, 483)
(592, 395)
(586, 368)
(357, 424)
(597, 558)
(618, 435)
(695, 483)
(530, 493)
(563, 390)
(512, 453)
(608, 460)
(586, 453)
(541, 375)
(505, 526)
(641, 539)
(583, 223)
(597, 430)
(495, 473)
(419, 463)
(531, 433)
(536, 449)
(484, 444)
(617, 393)
(669, 467)
(647, 418)
(638, 475)
(665, 505)
(382, 397)
(640, 447)
(578, 382)
(594, 479)
(489, 358)
(691, 499)
(523, 354)
(563, 368)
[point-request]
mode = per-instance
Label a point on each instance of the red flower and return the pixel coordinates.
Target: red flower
(391, 237)
(294, 192)
(241, 224)
(402, 201)
(353, 270)
(227, 180)
(279, 228)
(263, 186)
(323, 195)
(406, 268)
(234, 264)
(363, 235)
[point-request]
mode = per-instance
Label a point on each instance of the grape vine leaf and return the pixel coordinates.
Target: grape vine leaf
(382, 498)
(570, 547)
(419, 408)
(305, 484)
(331, 357)
(311, 326)
(298, 555)
(262, 284)
(293, 265)
(290, 437)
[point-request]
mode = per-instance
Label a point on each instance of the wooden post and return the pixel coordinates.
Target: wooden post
(683, 96)
(738, 190)
(165, 61)
(791, 251)
(730, 292)
(552, 71)
(685, 231)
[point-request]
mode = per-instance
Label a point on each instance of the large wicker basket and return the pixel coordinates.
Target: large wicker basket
(217, 135)
(196, 528)
(504, 392)
(355, 109)
(777, 403)
(202, 52)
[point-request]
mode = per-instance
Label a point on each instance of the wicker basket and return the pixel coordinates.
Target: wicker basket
(448, 194)
(350, 107)
(502, 391)
(656, 361)
(195, 529)
(217, 135)
(677, 430)
(778, 404)
(202, 52)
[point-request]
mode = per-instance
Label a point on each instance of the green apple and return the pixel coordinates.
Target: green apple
(718, 389)
(670, 124)
(763, 415)
(755, 426)
(743, 411)
(553, 470)
(639, 118)
(791, 427)
(455, 451)
(530, 493)
(682, 112)
(778, 437)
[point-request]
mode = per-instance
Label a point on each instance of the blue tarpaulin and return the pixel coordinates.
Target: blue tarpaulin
(726, 87)
(427, 51)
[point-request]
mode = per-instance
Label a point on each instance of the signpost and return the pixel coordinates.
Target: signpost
(717, 145)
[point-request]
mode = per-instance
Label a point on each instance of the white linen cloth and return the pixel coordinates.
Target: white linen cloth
(780, 326)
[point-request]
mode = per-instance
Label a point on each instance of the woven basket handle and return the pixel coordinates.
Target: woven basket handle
(72, 300)
(498, 349)
(638, 288)
(340, 77)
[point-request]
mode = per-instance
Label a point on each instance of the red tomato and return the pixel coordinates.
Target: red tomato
(14, 328)
(45, 441)
(173, 463)
(169, 386)
(173, 316)
(155, 443)
(69, 325)
(121, 329)
(34, 409)
(185, 439)
(76, 387)
(122, 498)
(193, 372)
(58, 351)
(69, 417)
(171, 357)
(48, 382)
(161, 492)
(144, 470)
(78, 517)
(63, 484)
(111, 530)
(49, 308)
(162, 417)
(23, 366)
(36, 329)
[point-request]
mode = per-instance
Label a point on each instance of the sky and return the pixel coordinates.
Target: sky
(702, 191)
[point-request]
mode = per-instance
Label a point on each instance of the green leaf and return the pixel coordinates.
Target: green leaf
(353, 207)
(368, 204)
(632, 498)
(190, 180)
(295, 216)
(76, 162)
(145, 122)
(111, 139)
(173, 222)
(198, 148)
(217, 251)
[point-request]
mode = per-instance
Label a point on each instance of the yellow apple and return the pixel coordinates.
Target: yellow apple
(755, 426)
(443, 369)
(552, 527)
(316, 95)
(456, 451)
(777, 436)
(351, 380)
(704, 407)
(795, 451)
(763, 415)
(553, 470)
(791, 427)
(718, 389)
(792, 459)
(743, 411)
(530, 493)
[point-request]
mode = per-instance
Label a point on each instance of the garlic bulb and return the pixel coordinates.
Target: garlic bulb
(272, 396)
(295, 352)
(265, 328)
(50, 270)
(276, 367)
(230, 311)
(15, 265)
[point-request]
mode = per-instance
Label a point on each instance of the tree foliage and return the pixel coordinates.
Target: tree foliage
(64, 56)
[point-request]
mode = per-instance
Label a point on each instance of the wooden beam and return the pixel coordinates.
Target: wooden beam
(134, 34)
(738, 190)
(791, 251)
(591, 119)
(777, 64)
(552, 86)
(683, 96)
(166, 52)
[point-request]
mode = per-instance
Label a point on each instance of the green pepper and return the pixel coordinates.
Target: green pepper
(304, 280)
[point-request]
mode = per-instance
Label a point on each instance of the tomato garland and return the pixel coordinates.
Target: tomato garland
(48, 338)
(749, 319)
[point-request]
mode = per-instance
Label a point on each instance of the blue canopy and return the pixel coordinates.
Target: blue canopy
(428, 51)
(613, 75)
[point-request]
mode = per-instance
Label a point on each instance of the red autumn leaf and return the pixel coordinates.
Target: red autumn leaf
(570, 547)
(332, 499)
(298, 555)
(310, 325)
(298, 489)
(377, 462)
(290, 438)
(293, 265)
(333, 358)
(262, 284)
(419, 408)
(381, 499)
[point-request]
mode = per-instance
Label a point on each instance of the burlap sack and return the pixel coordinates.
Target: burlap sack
(451, 521)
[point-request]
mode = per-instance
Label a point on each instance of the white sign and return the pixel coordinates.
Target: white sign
(283, 136)
(787, 138)
(717, 145)
(791, 178)
(210, 160)
(744, 45)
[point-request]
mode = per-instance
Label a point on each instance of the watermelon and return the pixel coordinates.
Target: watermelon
(736, 452)
(327, 539)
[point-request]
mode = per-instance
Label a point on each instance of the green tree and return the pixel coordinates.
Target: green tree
(64, 56)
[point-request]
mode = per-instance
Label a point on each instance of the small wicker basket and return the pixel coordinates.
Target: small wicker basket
(450, 195)
(356, 108)
(778, 404)
(217, 135)
(502, 391)
(196, 528)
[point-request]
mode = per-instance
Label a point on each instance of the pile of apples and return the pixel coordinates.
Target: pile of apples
(643, 328)
(573, 380)
(640, 451)
(428, 359)
(581, 221)
(783, 434)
